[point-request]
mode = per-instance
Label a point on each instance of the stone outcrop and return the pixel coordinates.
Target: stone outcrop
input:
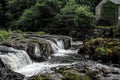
(36, 45)
(6, 74)
(107, 50)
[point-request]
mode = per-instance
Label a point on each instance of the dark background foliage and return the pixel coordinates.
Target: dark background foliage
(66, 17)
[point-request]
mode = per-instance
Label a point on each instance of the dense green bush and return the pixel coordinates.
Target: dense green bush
(109, 13)
(73, 18)
(52, 16)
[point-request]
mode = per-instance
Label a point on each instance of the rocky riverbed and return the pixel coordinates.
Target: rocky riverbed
(49, 57)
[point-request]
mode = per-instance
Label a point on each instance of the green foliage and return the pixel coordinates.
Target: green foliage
(109, 12)
(20, 36)
(41, 78)
(69, 76)
(35, 18)
(5, 35)
(52, 16)
(107, 50)
(86, 78)
(84, 10)
(42, 33)
(100, 50)
(73, 17)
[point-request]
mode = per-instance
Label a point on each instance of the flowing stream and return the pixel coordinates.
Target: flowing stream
(19, 61)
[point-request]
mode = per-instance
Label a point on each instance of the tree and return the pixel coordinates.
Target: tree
(35, 18)
(72, 18)
(3, 18)
(53, 16)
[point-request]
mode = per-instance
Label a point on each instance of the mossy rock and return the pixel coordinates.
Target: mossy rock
(103, 49)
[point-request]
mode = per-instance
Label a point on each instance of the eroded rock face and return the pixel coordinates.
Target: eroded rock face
(37, 46)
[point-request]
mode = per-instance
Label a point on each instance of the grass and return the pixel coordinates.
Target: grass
(5, 35)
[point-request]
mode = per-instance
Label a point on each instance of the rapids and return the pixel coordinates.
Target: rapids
(19, 61)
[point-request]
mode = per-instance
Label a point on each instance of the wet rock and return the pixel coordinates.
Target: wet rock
(106, 50)
(93, 73)
(56, 76)
(35, 45)
(6, 74)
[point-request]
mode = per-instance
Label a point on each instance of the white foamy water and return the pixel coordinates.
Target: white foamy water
(59, 43)
(38, 68)
(54, 46)
(58, 48)
(63, 52)
(20, 62)
(37, 50)
(15, 60)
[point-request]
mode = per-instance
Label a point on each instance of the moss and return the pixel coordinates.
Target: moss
(69, 76)
(38, 78)
(116, 49)
(42, 33)
(37, 41)
(103, 47)
(94, 43)
(108, 51)
(41, 78)
(61, 70)
(100, 50)
(87, 78)
(20, 36)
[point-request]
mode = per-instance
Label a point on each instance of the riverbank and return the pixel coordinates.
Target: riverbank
(31, 56)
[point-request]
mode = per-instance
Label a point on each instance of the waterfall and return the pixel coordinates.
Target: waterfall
(20, 62)
(37, 50)
(58, 48)
(60, 43)
(54, 46)
(16, 59)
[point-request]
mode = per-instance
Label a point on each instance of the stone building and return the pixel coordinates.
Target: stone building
(109, 11)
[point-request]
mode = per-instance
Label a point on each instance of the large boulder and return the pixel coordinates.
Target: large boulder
(107, 50)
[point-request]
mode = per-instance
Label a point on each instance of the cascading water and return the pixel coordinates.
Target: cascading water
(16, 59)
(58, 48)
(54, 46)
(37, 50)
(19, 61)
(59, 43)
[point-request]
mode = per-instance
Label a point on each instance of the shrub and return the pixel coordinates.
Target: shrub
(5, 35)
